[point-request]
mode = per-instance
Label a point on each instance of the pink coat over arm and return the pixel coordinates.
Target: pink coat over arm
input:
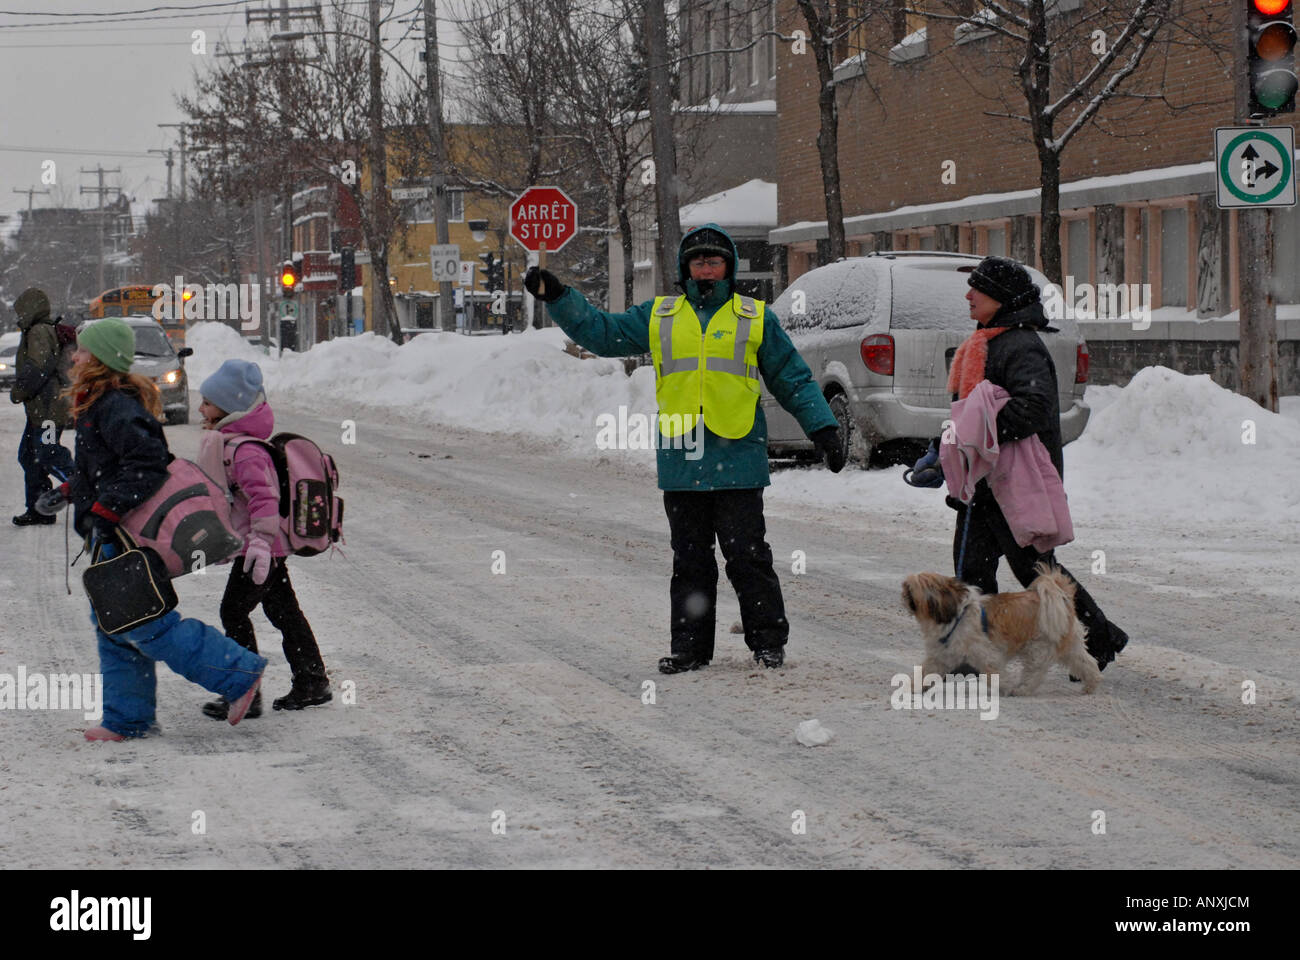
(1020, 473)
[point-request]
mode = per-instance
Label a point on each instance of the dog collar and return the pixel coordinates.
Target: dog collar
(984, 622)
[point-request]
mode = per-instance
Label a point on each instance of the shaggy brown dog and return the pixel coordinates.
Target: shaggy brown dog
(1036, 626)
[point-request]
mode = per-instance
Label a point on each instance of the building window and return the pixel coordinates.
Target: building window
(753, 31)
(771, 40)
(1079, 244)
(708, 57)
(728, 80)
(997, 241)
(1173, 256)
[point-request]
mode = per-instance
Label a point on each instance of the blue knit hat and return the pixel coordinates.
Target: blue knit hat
(235, 387)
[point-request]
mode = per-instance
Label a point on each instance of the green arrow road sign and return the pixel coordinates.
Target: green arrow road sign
(1255, 166)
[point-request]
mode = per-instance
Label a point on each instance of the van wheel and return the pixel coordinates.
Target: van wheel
(856, 449)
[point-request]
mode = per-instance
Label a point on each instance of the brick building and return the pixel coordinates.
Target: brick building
(925, 167)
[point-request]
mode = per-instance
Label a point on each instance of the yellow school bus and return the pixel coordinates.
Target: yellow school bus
(137, 300)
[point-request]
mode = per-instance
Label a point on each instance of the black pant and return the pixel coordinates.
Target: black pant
(988, 537)
(735, 519)
(280, 605)
(39, 460)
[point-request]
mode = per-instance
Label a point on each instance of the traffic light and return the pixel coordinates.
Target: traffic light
(290, 275)
(1270, 57)
(494, 271)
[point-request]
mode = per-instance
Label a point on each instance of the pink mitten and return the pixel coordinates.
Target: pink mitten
(257, 559)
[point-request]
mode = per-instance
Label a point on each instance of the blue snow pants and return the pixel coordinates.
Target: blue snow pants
(196, 651)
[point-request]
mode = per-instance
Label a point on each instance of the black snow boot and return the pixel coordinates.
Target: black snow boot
(680, 663)
(32, 518)
(219, 709)
(305, 693)
(771, 657)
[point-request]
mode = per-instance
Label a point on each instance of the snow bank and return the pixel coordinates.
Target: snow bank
(522, 383)
(1184, 448)
(1168, 449)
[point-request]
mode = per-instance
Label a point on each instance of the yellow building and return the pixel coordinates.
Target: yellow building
(478, 223)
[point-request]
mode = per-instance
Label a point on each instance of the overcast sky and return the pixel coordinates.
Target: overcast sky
(83, 94)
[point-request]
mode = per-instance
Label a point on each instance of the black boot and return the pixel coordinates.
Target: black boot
(32, 518)
(771, 657)
(680, 663)
(305, 693)
(219, 708)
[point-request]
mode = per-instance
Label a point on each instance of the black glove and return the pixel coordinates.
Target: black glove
(926, 472)
(52, 501)
(827, 440)
(534, 279)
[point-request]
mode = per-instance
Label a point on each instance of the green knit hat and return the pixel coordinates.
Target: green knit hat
(111, 341)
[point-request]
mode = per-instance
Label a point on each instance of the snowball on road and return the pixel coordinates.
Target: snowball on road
(524, 692)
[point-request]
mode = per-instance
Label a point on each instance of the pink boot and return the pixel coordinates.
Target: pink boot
(240, 707)
(103, 733)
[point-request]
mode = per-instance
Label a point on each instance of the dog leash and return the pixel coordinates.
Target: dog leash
(984, 623)
(965, 527)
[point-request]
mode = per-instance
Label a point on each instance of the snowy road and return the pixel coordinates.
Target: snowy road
(515, 698)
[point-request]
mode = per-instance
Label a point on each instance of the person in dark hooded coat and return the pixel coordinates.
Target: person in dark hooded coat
(37, 385)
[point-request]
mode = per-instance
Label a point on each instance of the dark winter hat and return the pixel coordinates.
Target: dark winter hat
(706, 240)
(1006, 281)
(235, 387)
(32, 304)
(110, 341)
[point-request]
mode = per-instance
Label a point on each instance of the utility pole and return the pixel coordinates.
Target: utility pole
(661, 134)
(31, 219)
(1257, 357)
(437, 138)
(99, 191)
(181, 132)
(170, 163)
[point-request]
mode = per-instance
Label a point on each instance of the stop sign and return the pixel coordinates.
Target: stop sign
(543, 216)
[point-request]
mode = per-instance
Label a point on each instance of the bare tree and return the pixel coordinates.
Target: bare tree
(1067, 67)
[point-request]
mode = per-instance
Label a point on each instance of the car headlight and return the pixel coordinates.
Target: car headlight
(171, 376)
(4, 366)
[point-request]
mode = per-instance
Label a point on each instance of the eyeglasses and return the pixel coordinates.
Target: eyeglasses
(713, 262)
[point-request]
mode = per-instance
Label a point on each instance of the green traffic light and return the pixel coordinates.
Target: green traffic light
(1275, 89)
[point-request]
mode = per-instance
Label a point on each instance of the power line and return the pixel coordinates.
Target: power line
(120, 13)
(9, 148)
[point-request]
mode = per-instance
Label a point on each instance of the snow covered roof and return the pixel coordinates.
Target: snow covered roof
(751, 204)
(1176, 181)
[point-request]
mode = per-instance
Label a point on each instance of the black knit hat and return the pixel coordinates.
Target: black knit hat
(1006, 281)
(703, 241)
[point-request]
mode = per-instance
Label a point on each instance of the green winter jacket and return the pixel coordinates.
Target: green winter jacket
(725, 464)
(37, 381)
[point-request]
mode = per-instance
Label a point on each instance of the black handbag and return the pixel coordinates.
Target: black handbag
(128, 589)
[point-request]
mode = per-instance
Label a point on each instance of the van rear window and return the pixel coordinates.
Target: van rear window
(926, 299)
(833, 297)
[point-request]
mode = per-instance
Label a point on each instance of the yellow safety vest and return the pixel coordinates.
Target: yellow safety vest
(714, 374)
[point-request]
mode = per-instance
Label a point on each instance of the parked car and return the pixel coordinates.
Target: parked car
(8, 372)
(156, 357)
(879, 333)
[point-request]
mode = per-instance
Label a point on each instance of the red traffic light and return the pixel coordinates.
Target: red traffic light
(1270, 58)
(1270, 8)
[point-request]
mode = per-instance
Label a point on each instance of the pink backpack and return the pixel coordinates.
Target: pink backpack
(311, 513)
(186, 522)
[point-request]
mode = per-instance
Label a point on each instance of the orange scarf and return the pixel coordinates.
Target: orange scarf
(968, 363)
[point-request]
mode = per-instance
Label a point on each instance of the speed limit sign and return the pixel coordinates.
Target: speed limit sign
(444, 259)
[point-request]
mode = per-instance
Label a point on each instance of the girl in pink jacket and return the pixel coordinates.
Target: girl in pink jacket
(234, 406)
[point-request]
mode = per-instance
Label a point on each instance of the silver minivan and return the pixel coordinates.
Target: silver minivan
(879, 333)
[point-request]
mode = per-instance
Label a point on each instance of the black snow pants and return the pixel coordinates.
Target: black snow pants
(735, 519)
(988, 537)
(280, 604)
